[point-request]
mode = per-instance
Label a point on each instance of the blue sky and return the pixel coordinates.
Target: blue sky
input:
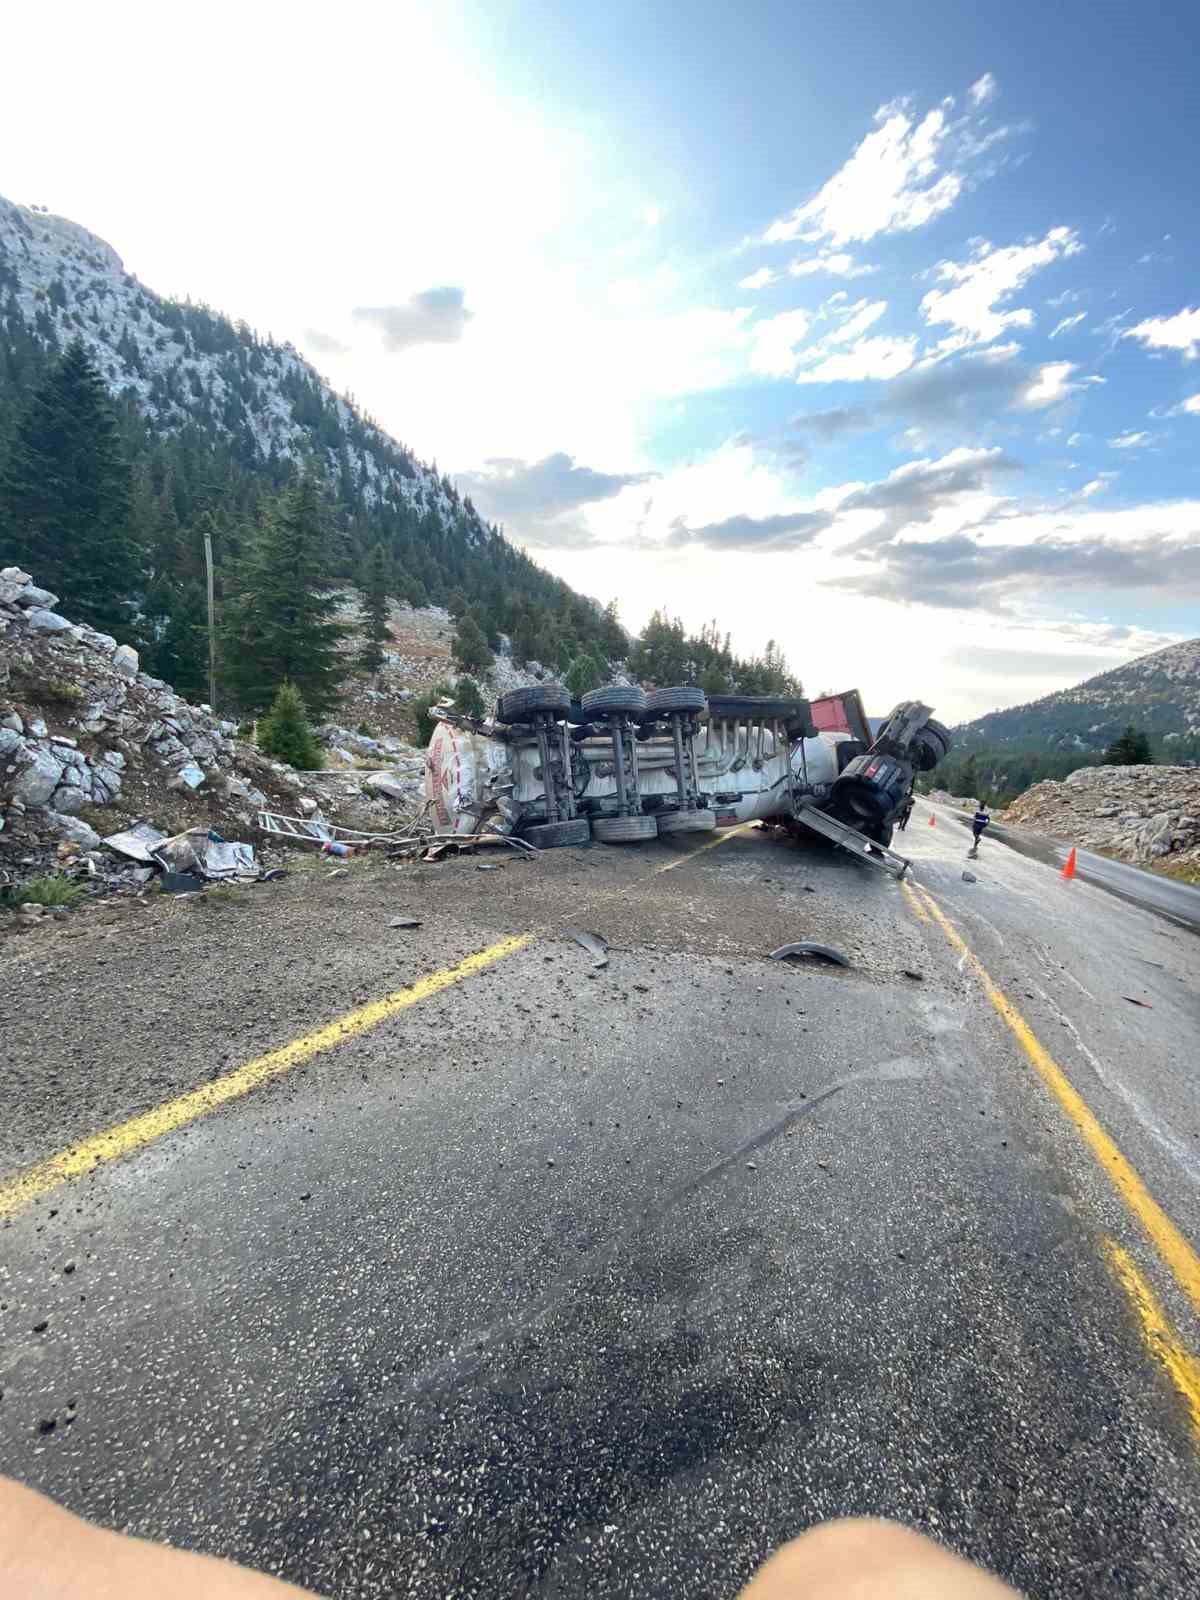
(872, 329)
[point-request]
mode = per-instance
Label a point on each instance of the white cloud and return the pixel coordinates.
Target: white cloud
(1131, 441)
(757, 280)
(1075, 438)
(1049, 384)
(652, 216)
(869, 360)
(829, 263)
(983, 90)
(901, 176)
(988, 279)
(773, 343)
(1180, 332)
(1067, 324)
(1097, 485)
(860, 316)
(1190, 406)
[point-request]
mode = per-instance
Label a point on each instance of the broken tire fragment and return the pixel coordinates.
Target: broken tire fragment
(807, 949)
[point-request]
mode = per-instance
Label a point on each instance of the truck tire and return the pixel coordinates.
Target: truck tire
(518, 704)
(549, 835)
(931, 745)
(699, 821)
(685, 698)
(617, 697)
(624, 830)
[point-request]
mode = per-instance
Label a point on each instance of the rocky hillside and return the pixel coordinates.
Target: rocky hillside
(184, 364)
(1149, 816)
(90, 744)
(1159, 692)
(216, 415)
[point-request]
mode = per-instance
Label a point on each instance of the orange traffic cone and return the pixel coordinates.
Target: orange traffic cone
(932, 820)
(1069, 870)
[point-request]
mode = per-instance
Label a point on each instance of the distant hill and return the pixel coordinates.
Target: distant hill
(1159, 692)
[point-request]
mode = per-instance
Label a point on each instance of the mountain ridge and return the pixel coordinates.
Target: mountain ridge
(1159, 692)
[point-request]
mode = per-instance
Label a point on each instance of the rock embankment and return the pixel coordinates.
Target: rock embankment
(1149, 816)
(90, 744)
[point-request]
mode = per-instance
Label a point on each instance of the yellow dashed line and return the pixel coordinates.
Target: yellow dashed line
(1161, 1339)
(1171, 1245)
(126, 1137)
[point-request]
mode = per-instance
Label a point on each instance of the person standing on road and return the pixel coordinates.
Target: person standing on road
(979, 823)
(906, 811)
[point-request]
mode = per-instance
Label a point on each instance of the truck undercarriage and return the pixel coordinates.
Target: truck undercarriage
(623, 765)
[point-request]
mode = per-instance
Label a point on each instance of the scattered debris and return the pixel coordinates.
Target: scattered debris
(1145, 1004)
(405, 922)
(181, 883)
(917, 977)
(594, 943)
(487, 866)
(806, 948)
(969, 877)
(137, 842)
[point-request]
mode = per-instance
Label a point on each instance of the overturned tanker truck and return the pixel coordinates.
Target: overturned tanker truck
(623, 765)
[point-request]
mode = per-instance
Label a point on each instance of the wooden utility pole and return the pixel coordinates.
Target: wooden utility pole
(212, 624)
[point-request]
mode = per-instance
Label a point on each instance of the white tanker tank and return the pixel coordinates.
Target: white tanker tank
(622, 765)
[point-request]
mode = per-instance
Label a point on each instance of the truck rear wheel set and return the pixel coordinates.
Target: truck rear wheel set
(624, 715)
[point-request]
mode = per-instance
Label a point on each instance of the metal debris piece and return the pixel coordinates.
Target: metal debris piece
(917, 977)
(181, 883)
(137, 842)
(969, 877)
(819, 952)
(487, 866)
(594, 943)
(274, 875)
(405, 922)
(1145, 1004)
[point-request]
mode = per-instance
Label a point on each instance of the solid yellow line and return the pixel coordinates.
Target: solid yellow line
(910, 894)
(1161, 1339)
(728, 833)
(1171, 1245)
(133, 1134)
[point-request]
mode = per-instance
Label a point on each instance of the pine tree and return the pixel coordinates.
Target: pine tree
(285, 733)
(375, 608)
(470, 646)
(65, 497)
(468, 697)
(1131, 749)
(179, 655)
(281, 624)
(584, 673)
(528, 637)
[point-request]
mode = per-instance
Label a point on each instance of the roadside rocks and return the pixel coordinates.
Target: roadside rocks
(1143, 815)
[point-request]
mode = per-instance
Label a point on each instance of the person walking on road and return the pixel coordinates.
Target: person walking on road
(978, 824)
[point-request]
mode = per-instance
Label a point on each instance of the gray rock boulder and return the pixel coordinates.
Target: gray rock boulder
(42, 621)
(41, 777)
(67, 827)
(125, 660)
(30, 595)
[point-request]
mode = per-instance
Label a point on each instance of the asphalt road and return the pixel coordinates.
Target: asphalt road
(561, 1281)
(1151, 890)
